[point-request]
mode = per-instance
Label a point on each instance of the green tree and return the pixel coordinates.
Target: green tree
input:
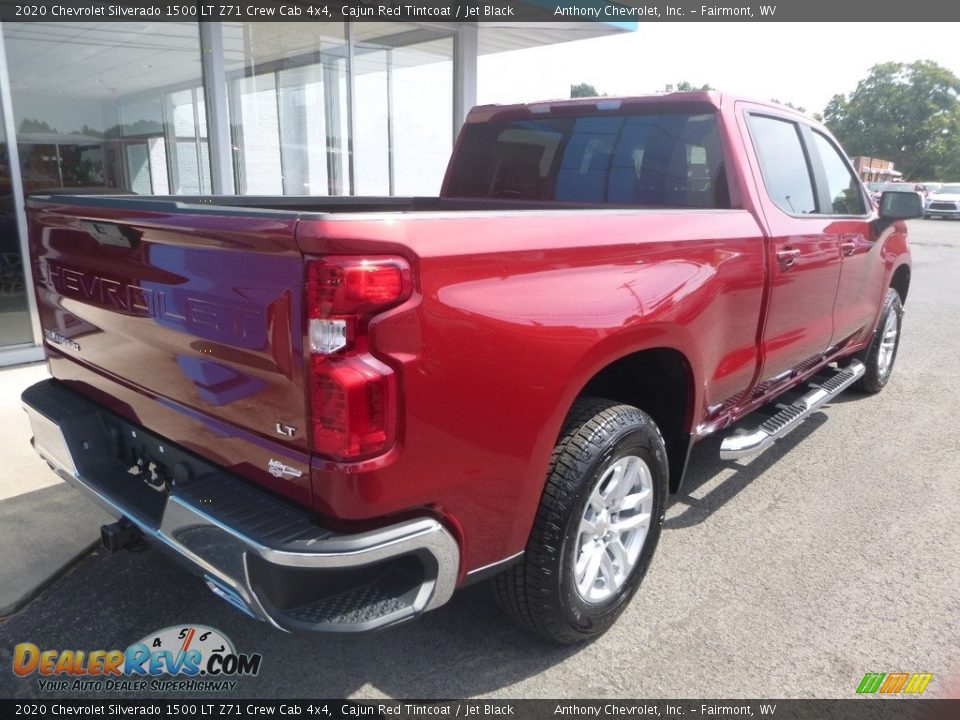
(905, 112)
(684, 86)
(32, 125)
(949, 168)
(583, 90)
(90, 132)
(798, 108)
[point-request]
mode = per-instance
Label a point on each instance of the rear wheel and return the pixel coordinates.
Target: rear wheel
(597, 526)
(880, 355)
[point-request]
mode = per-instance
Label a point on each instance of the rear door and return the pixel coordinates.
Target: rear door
(201, 309)
(803, 254)
(861, 271)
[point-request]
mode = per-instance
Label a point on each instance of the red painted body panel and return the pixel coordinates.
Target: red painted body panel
(510, 321)
(199, 311)
(513, 312)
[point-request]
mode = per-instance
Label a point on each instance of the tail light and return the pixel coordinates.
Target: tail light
(353, 395)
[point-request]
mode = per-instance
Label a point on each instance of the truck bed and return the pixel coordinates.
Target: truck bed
(187, 314)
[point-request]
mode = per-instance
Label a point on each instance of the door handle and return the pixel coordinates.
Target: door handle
(788, 257)
(848, 247)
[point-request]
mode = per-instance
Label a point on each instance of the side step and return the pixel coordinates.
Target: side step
(790, 416)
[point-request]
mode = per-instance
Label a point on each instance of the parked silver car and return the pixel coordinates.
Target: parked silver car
(945, 202)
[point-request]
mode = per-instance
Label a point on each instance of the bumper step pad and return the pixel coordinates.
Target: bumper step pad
(265, 556)
(351, 608)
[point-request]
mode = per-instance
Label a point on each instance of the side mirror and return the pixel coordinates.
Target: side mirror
(900, 205)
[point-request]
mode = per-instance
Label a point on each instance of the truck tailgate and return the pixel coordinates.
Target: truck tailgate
(200, 310)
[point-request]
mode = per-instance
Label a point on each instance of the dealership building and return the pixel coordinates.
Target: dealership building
(188, 108)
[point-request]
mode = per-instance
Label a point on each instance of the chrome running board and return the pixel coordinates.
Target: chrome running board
(751, 442)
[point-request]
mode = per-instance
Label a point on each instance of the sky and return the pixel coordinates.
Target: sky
(801, 63)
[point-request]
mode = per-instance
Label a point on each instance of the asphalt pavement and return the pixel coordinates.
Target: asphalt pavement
(835, 553)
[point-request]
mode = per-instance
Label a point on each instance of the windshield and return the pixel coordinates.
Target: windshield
(949, 190)
(652, 160)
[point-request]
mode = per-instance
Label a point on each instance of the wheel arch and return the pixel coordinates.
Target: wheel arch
(900, 281)
(659, 381)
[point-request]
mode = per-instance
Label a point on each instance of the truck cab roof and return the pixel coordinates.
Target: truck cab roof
(562, 106)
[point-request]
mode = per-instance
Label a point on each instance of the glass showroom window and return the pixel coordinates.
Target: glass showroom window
(109, 105)
(287, 85)
(14, 308)
(423, 112)
(290, 98)
(403, 107)
(97, 105)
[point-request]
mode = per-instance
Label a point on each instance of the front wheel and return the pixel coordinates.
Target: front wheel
(881, 353)
(597, 526)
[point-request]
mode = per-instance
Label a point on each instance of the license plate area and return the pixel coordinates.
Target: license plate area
(145, 458)
(120, 461)
(150, 466)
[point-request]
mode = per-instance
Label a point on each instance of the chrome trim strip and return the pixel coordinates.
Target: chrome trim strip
(48, 440)
(491, 566)
(734, 447)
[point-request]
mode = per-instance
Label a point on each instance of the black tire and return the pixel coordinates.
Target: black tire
(877, 374)
(541, 593)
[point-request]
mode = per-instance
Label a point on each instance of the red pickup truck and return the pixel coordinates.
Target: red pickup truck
(338, 410)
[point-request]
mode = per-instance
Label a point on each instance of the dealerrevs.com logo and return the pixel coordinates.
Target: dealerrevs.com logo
(179, 658)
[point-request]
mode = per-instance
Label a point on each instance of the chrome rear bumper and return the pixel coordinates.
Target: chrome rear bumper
(262, 555)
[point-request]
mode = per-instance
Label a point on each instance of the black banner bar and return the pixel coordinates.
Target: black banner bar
(625, 11)
(853, 709)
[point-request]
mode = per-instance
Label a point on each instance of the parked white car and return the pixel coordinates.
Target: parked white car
(945, 202)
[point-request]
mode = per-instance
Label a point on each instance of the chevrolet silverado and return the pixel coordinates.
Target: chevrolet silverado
(338, 410)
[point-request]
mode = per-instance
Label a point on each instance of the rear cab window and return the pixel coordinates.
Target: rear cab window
(670, 160)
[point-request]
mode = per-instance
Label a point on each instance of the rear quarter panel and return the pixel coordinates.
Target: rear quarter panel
(513, 314)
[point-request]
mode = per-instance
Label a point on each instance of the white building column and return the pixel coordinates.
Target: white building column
(218, 118)
(465, 52)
